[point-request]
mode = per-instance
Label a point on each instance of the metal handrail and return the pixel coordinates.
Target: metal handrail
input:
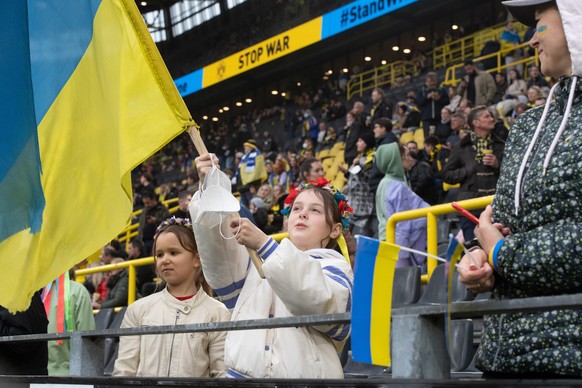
(378, 77)
(132, 264)
(431, 214)
(470, 45)
(411, 323)
(451, 72)
(456, 309)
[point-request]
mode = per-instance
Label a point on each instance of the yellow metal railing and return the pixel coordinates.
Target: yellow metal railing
(457, 51)
(132, 264)
(378, 77)
(431, 214)
(451, 73)
(469, 46)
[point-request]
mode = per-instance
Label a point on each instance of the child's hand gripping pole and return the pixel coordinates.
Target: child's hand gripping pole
(201, 149)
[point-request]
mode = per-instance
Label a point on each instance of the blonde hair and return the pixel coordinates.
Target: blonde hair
(95, 278)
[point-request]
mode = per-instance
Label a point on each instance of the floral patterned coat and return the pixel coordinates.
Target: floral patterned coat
(543, 254)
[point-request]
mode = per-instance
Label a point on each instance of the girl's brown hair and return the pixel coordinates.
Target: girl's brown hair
(332, 213)
(187, 240)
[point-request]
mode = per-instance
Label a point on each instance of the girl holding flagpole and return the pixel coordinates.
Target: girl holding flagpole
(303, 275)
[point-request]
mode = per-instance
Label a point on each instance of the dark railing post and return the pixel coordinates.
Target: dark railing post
(86, 356)
(418, 347)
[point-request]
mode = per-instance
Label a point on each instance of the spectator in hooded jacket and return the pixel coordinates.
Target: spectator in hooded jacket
(394, 195)
(363, 221)
(530, 237)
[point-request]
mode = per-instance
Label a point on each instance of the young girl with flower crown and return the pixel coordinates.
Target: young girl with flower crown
(183, 301)
(303, 275)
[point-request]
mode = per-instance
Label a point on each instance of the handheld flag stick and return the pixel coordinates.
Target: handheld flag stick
(201, 148)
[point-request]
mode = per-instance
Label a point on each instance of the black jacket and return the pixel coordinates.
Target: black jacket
(476, 179)
(24, 358)
(352, 135)
(422, 182)
(431, 109)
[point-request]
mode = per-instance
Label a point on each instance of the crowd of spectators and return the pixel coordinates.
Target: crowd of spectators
(313, 118)
(462, 137)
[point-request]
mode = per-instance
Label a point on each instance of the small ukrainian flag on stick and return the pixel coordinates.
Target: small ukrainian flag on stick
(372, 304)
(372, 298)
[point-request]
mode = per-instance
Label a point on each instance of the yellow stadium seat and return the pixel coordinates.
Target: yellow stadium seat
(339, 181)
(327, 163)
(406, 137)
(419, 138)
(340, 145)
(332, 171)
(322, 154)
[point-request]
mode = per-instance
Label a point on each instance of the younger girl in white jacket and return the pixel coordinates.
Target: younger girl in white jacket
(183, 301)
(304, 275)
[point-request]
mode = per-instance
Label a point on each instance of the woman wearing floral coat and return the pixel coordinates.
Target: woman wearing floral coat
(531, 237)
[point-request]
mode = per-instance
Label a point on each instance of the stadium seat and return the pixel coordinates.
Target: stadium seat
(339, 181)
(322, 154)
(461, 340)
(111, 345)
(331, 171)
(339, 146)
(359, 370)
(483, 296)
(103, 318)
(443, 229)
(406, 137)
(419, 138)
(327, 163)
(406, 287)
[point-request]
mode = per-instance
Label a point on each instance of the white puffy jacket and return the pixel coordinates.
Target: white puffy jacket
(317, 281)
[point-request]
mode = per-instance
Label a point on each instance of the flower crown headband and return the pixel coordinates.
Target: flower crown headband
(340, 200)
(185, 222)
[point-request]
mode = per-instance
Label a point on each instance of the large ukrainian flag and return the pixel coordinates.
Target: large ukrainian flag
(85, 97)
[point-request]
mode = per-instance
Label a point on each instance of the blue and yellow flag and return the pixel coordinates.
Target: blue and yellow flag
(372, 302)
(85, 97)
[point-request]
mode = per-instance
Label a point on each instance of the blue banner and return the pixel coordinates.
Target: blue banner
(190, 83)
(356, 13)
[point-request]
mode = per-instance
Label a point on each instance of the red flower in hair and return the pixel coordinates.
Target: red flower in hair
(291, 197)
(321, 182)
(340, 199)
